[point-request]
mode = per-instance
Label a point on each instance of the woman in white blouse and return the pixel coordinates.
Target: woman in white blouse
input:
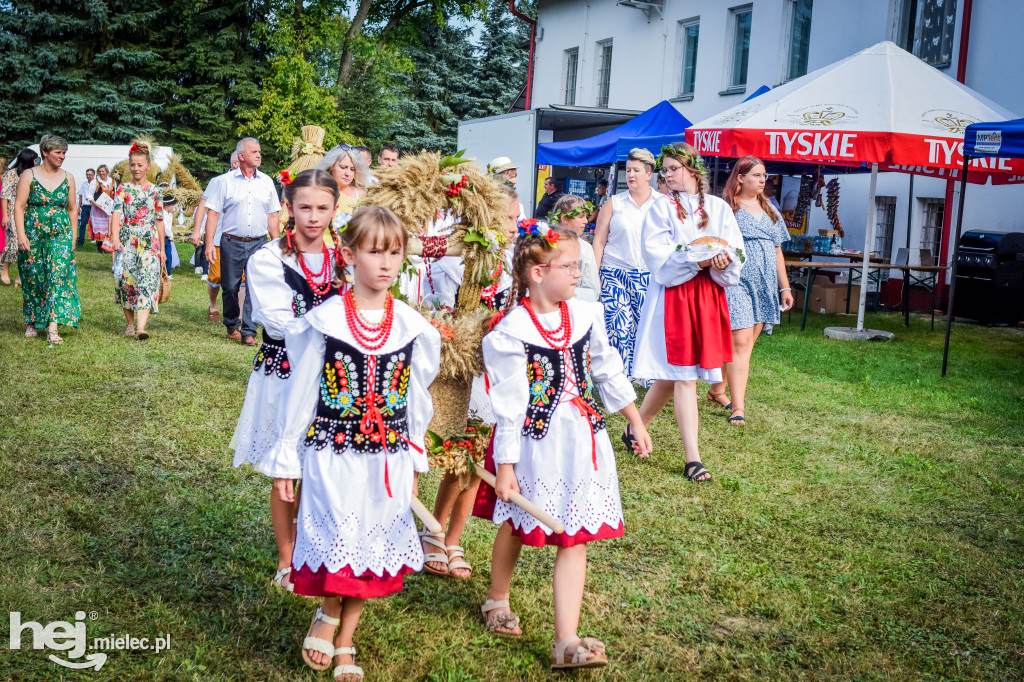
(624, 274)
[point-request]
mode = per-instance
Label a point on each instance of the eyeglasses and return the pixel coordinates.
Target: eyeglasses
(570, 268)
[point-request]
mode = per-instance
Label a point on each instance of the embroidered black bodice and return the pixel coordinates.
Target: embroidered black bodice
(545, 371)
(363, 400)
(272, 355)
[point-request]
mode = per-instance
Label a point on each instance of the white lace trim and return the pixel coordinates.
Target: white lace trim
(255, 433)
(592, 503)
(384, 546)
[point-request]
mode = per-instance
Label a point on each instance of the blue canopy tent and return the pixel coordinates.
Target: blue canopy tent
(1002, 140)
(661, 119)
(654, 142)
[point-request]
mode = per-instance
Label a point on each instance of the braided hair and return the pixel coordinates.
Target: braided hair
(692, 162)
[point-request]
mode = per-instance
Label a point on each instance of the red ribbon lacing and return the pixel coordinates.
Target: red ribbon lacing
(434, 248)
(372, 422)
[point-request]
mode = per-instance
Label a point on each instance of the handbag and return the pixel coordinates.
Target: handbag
(165, 287)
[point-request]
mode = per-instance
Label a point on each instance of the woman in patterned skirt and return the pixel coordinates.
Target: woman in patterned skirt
(25, 159)
(44, 211)
(99, 220)
(624, 274)
(754, 305)
(137, 234)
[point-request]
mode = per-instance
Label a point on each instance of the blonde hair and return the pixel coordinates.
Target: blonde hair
(50, 143)
(372, 226)
(643, 156)
(534, 250)
(566, 203)
(331, 159)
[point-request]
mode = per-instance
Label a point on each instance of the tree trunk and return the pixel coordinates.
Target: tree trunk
(355, 30)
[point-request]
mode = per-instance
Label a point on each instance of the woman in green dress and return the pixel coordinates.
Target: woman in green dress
(137, 234)
(44, 211)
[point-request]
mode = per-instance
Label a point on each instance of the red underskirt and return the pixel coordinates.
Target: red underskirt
(345, 583)
(484, 508)
(697, 329)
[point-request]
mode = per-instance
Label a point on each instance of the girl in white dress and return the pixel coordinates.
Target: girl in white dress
(362, 364)
(444, 554)
(684, 333)
(544, 359)
(286, 279)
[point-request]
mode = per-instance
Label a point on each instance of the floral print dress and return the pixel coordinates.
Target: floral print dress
(48, 272)
(137, 264)
(9, 191)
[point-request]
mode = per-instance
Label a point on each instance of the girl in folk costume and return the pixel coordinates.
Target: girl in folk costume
(286, 279)
(362, 364)
(544, 359)
(572, 212)
(443, 553)
(694, 249)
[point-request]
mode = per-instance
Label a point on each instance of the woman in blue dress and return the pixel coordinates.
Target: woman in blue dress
(764, 288)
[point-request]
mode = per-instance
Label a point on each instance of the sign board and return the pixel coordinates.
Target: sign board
(988, 141)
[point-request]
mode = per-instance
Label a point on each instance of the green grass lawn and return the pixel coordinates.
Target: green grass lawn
(866, 524)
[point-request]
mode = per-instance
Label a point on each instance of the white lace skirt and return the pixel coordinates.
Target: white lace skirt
(255, 432)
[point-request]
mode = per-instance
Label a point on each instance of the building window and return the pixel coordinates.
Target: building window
(925, 29)
(931, 227)
(691, 32)
(572, 60)
(799, 38)
(886, 221)
(604, 71)
(739, 18)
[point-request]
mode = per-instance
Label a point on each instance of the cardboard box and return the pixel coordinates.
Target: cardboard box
(828, 298)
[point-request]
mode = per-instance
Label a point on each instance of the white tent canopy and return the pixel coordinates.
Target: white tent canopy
(83, 156)
(882, 105)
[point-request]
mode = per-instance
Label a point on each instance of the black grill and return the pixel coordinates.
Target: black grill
(990, 277)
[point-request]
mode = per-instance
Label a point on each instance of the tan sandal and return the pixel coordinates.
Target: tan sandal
(434, 540)
(347, 668)
(456, 560)
(319, 644)
(713, 398)
(53, 338)
(30, 332)
(494, 619)
(129, 330)
(574, 652)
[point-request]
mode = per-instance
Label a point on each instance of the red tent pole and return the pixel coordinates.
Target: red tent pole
(533, 44)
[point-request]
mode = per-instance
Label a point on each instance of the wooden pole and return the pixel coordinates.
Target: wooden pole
(520, 501)
(426, 517)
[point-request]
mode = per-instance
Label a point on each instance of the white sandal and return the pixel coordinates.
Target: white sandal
(318, 644)
(129, 330)
(279, 579)
(347, 668)
(434, 557)
(580, 650)
(500, 619)
(456, 556)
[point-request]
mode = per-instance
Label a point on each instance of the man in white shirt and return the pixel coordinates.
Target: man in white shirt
(244, 204)
(85, 192)
(211, 268)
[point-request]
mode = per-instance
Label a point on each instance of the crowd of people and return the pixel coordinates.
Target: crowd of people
(675, 287)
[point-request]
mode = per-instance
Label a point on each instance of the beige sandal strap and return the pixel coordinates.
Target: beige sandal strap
(435, 557)
(455, 550)
(319, 645)
(582, 650)
(432, 539)
(457, 564)
(330, 620)
(345, 651)
(347, 669)
(499, 619)
(492, 604)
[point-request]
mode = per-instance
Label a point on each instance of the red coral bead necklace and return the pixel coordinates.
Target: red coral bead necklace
(370, 336)
(319, 282)
(556, 338)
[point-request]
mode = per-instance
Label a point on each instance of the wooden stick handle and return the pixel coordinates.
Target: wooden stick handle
(520, 501)
(425, 516)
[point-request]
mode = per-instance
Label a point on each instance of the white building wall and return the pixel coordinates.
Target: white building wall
(647, 64)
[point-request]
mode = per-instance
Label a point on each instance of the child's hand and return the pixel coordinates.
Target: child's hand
(284, 488)
(506, 482)
(643, 445)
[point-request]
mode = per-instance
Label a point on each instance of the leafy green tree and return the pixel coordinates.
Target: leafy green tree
(503, 53)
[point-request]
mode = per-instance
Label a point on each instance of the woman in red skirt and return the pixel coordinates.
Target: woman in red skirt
(693, 248)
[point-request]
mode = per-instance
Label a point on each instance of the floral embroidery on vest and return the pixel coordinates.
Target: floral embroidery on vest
(343, 418)
(545, 372)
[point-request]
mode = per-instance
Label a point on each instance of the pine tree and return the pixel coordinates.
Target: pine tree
(503, 53)
(439, 92)
(76, 69)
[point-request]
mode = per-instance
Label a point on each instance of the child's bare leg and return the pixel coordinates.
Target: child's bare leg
(281, 515)
(570, 574)
(351, 609)
(656, 399)
(461, 509)
(447, 492)
(504, 557)
(331, 606)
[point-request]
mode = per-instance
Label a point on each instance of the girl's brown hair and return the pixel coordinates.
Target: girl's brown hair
(566, 203)
(731, 193)
(533, 250)
(308, 178)
(372, 226)
(691, 161)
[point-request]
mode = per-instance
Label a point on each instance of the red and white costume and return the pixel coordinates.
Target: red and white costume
(548, 425)
(684, 331)
(364, 414)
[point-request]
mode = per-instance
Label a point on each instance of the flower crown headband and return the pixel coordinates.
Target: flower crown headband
(586, 207)
(530, 228)
(694, 161)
